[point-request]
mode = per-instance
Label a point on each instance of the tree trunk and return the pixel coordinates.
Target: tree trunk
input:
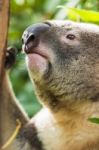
(4, 17)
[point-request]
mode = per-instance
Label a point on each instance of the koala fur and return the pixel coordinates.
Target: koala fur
(66, 82)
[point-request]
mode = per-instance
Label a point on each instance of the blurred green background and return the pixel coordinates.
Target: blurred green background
(26, 12)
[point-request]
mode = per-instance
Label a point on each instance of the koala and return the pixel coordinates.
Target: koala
(62, 59)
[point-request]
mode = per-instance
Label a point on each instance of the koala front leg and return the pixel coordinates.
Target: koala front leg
(10, 110)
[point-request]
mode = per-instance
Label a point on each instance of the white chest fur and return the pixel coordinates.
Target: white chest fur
(48, 131)
(56, 137)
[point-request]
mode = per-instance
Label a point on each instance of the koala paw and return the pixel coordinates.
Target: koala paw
(10, 57)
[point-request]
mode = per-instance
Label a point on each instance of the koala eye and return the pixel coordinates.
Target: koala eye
(70, 36)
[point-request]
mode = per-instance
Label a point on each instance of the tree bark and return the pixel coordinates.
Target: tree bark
(4, 17)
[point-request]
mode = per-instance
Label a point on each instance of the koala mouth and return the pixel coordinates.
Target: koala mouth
(36, 57)
(30, 49)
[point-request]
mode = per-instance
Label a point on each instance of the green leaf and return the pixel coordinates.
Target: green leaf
(94, 120)
(81, 14)
(84, 15)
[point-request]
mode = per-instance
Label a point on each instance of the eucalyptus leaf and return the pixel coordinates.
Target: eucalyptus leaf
(81, 14)
(94, 120)
(84, 15)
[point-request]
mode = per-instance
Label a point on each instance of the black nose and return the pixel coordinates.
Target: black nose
(32, 34)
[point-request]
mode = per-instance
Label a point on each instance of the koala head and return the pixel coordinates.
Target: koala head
(63, 60)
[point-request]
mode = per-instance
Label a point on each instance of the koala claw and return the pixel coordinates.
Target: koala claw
(10, 57)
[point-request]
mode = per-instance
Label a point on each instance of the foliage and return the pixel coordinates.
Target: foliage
(82, 15)
(24, 13)
(94, 120)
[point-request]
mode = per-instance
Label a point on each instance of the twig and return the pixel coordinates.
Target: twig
(15, 133)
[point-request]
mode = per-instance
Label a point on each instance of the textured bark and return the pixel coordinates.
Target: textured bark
(4, 15)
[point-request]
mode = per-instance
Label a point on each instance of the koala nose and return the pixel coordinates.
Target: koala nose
(32, 34)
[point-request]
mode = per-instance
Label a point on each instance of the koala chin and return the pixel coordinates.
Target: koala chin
(62, 58)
